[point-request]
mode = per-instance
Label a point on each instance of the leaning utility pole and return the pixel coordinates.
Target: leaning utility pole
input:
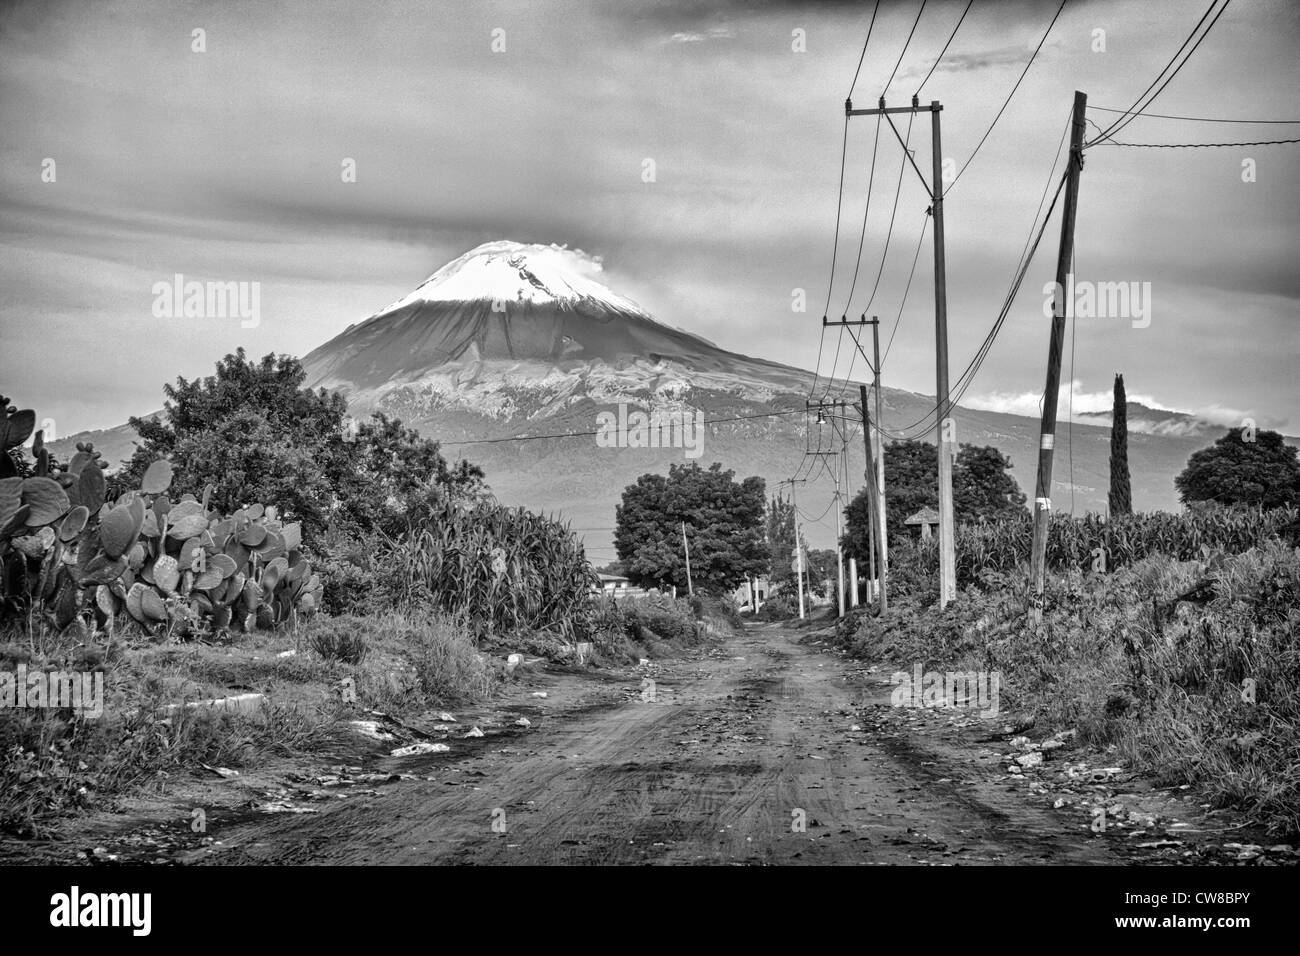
(1043, 487)
(934, 187)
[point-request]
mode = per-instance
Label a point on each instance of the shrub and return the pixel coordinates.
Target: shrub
(339, 639)
(779, 606)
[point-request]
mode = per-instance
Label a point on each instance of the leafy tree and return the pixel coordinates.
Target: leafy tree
(1120, 499)
(911, 483)
(396, 480)
(254, 434)
(982, 489)
(982, 485)
(724, 524)
(780, 540)
(1236, 470)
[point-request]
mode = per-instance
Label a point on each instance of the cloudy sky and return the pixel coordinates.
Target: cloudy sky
(534, 122)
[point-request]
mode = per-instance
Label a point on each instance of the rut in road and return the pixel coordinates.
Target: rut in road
(715, 770)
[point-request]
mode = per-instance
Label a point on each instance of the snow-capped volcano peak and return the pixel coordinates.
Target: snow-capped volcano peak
(505, 273)
(506, 319)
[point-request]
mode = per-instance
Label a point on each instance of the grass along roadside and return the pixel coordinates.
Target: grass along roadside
(314, 679)
(1202, 691)
(55, 761)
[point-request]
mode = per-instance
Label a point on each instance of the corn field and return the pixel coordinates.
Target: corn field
(499, 569)
(1082, 543)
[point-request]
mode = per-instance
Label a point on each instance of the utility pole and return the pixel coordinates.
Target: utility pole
(835, 406)
(798, 539)
(875, 558)
(1047, 439)
(839, 547)
(934, 187)
(877, 519)
(947, 544)
(798, 564)
(687, 545)
(879, 436)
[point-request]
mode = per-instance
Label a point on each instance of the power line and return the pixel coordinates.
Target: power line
(835, 252)
(945, 48)
(862, 238)
(904, 50)
(884, 255)
(1266, 142)
(1022, 266)
(1201, 119)
(1032, 57)
(902, 167)
(839, 203)
(920, 241)
(854, 84)
(1135, 110)
(972, 369)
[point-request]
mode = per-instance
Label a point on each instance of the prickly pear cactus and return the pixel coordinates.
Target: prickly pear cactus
(170, 567)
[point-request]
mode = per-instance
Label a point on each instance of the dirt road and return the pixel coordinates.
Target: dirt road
(734, 752)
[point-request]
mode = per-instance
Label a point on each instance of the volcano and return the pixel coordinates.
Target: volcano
(506, 317)
(510, 354)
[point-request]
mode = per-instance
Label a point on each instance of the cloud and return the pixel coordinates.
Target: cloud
(1086, 406)
(713, 33)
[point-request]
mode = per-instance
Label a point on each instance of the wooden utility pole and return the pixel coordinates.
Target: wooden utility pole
(876, 519)
(798, 540)
(1047, 439)
(798, 564)
(687, 545)
(947, 544)
(839, 546)
(835, 407)
(934, 187)
(879, 436)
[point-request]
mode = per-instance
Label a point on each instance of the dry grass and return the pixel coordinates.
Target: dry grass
(1113, 661)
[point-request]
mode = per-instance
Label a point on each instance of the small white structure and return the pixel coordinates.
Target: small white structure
(612, 583)
(927, 518)
(752, 594)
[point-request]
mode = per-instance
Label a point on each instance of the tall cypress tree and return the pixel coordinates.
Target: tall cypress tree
(1120, 498)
